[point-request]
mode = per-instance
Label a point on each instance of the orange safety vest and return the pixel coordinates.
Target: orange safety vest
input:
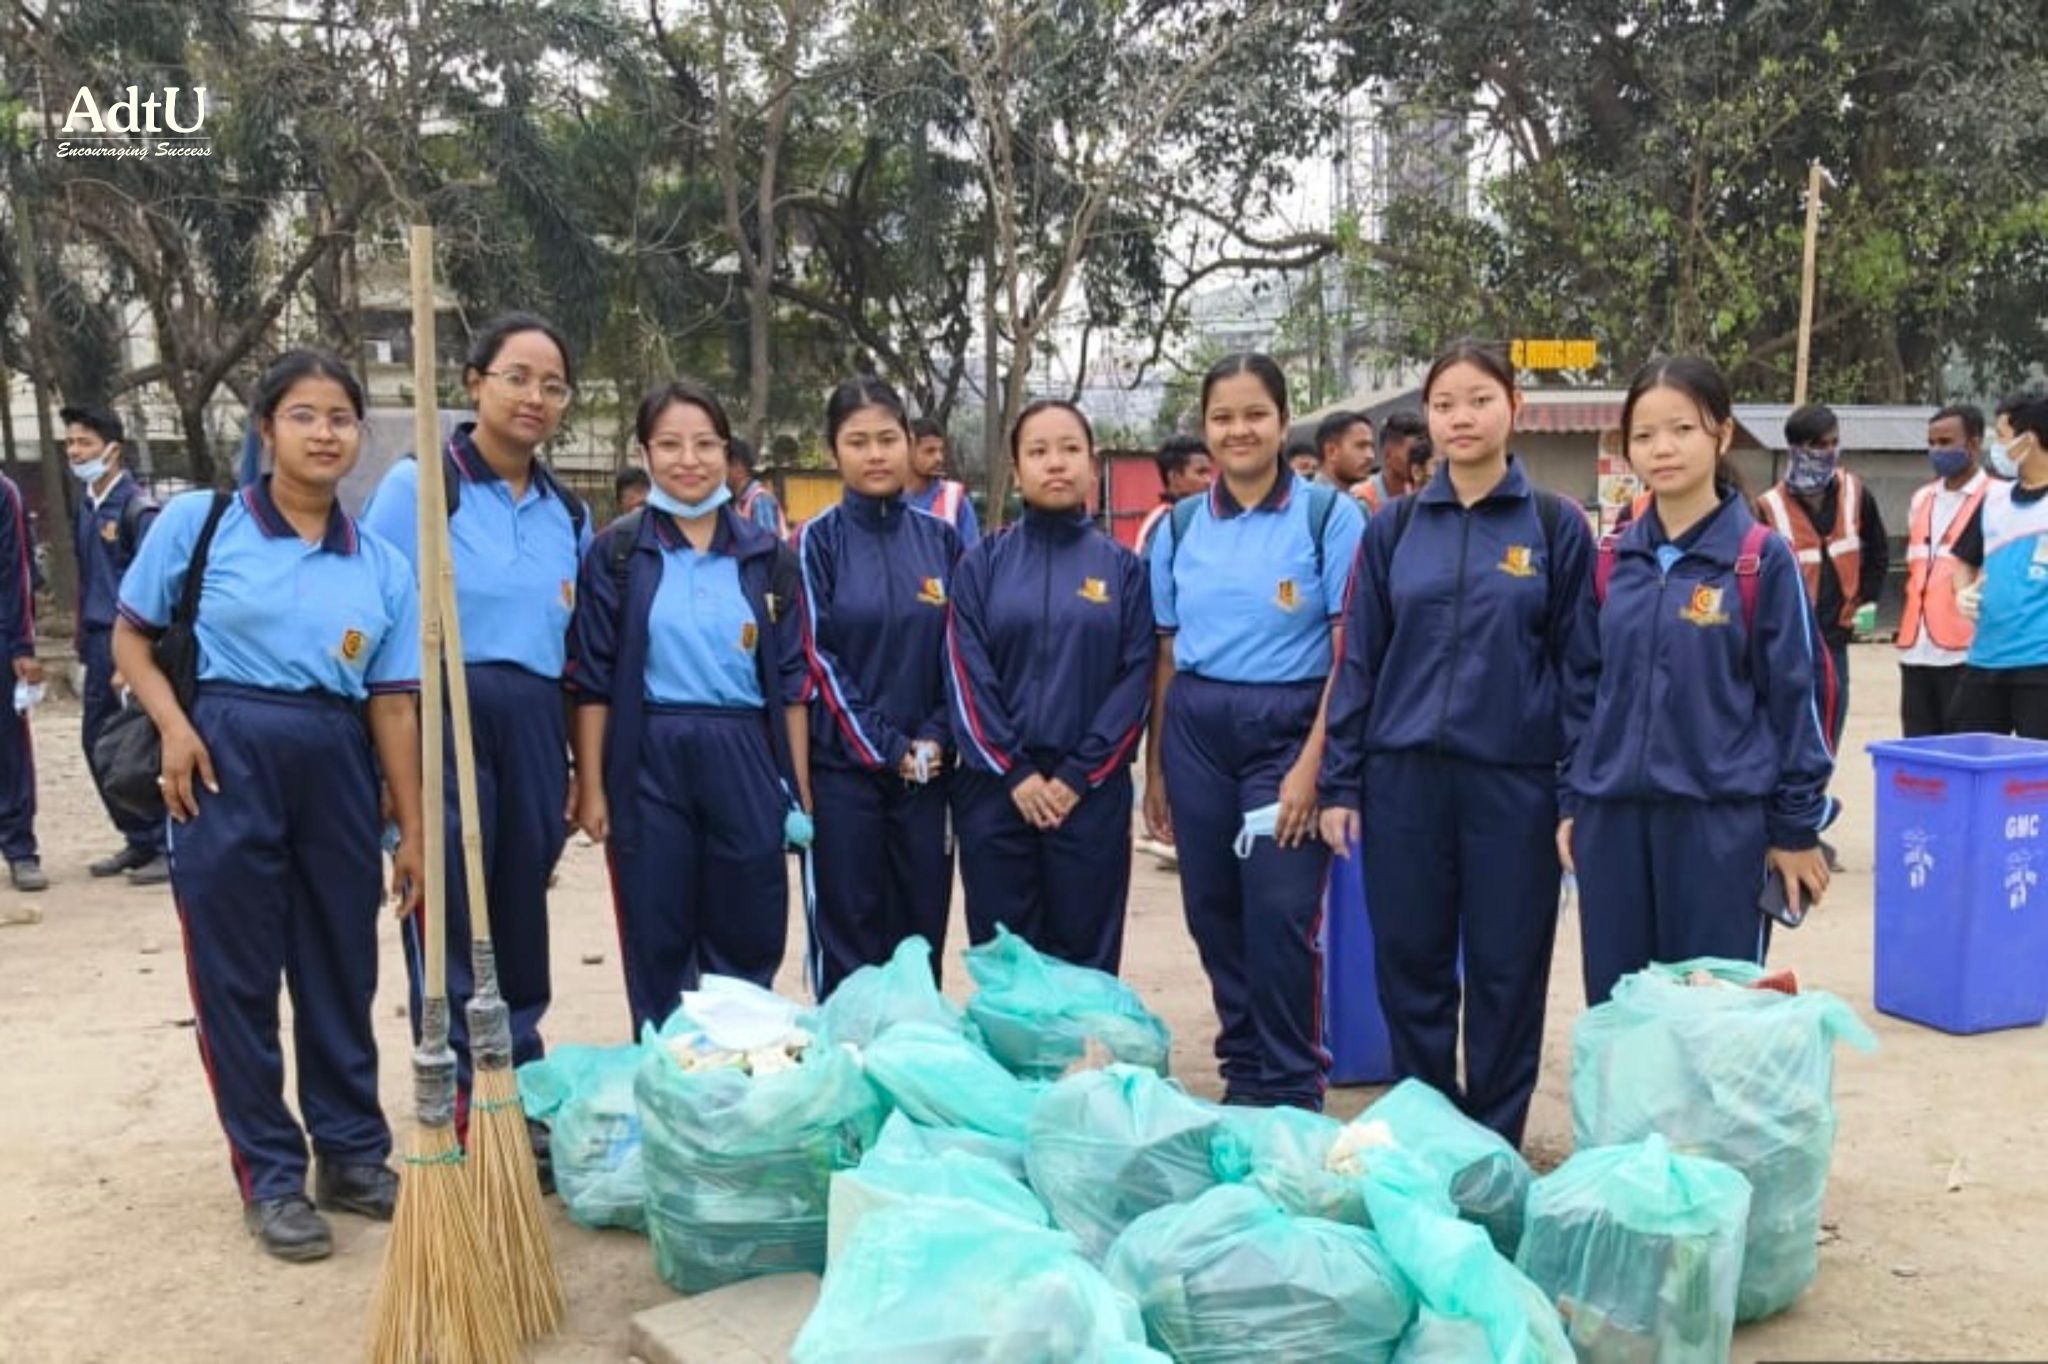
(1931, 569)
(1844, 551)
(1368, 492)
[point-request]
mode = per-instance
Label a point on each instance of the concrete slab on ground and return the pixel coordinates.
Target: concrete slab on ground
(755, 1322)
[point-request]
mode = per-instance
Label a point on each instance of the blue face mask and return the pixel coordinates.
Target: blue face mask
(2000, 456)
(659, 499)
(1263, 822)
(1811, 469)
(1949, 462)
(92, 471)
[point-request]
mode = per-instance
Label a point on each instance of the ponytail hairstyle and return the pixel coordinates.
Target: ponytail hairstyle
(1699, 380)
(862, 390)
(1038, 405)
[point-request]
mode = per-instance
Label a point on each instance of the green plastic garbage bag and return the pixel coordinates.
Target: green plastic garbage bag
(902, 1168)
(1743, 1076)
(1641, 1251)
(1038, 1014)
(739, 1167)
(936, 1283)
(1231, 1277)
(1006, 1152)
(585, 1096)
(874, 999)
(1438, 1339)
(1283, 1153)
(1455, 1270)
(1485, 1177)
(1107, 1146)
(938, 1077)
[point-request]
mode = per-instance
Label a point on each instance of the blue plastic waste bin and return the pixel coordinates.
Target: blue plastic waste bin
(1962, 881)
(1354, 1029)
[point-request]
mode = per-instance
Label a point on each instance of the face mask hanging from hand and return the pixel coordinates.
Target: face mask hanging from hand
(1263, 822)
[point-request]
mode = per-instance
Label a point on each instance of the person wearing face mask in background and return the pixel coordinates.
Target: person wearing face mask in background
(113, 516)
(2002, 585)
(1934, 636)
(1049, 663)
(1834, 526)
(1998, 460)
(877, 581)
(692, 739)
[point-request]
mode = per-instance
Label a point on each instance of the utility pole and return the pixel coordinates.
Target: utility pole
(63, 576)
(1806, 282)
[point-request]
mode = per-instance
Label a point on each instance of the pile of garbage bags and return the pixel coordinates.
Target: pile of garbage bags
(1742, 1075)
(1019, 1181)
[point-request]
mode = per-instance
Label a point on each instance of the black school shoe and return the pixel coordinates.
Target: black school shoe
(367, 1190)
(128, 859)
(28, 875)
(155, 872)
(289, 1228)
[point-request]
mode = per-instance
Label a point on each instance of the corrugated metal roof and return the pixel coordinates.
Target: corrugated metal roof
(1865, 427)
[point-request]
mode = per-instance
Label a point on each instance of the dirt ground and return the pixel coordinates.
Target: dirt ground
(120, 1235)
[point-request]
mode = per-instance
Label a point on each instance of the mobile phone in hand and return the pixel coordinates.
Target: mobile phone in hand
(1776, 903)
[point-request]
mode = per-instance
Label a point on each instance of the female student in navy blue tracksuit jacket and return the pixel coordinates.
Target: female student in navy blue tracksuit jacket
(1467, 675)
(1705, 761)
(691, 734)
(877, 578)
(1049, 656)
(1249, 580)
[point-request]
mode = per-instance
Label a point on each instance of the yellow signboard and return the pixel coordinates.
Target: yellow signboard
(1553, 354)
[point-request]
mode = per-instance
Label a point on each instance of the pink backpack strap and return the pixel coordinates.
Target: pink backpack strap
(1603, 565)
(1749, 567)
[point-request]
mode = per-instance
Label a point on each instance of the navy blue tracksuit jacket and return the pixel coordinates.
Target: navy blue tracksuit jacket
(106, 538)
(698, 792)
(18, 635)
(1704, 748)
(877, 581)
(1049, 666)
(1468, 672)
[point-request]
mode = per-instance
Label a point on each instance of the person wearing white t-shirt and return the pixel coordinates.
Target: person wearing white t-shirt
(1934, 636)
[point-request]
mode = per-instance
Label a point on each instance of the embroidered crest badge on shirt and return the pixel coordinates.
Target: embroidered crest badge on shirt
(1287, 596)
(1704, 610)
(1094, 590)
(110, 531)
(352, 642)
(568, 594)
(1516, 563)
(750, 635)
(933, 593)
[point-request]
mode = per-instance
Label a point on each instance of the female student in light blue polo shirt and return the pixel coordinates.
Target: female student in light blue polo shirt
(1249, 581)
(306, 625)
(515, 535)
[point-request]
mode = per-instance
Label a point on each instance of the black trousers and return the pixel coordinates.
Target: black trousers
(1927, 699)
(2002, 701)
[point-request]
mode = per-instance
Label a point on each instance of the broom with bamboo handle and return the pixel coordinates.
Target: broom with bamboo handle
(438, 1294)
(501, 1168)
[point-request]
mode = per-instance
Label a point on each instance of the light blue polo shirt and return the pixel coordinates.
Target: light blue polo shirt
(1241, 593)
(340, 616)
(515, 562)
(701, 633)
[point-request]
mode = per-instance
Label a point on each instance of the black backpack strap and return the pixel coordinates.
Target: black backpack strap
(625, 533)
(195, 571)
(1322, 500)
(1549, 511)
(785, 583)
(132, 513)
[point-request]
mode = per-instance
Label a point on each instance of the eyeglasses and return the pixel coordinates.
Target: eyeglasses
(306, 419)
(707, 447)
(553, 392)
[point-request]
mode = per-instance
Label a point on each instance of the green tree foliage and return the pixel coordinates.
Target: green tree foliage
(1652, 164)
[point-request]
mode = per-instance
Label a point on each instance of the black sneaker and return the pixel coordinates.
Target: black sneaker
(289, 1228)
(27, 874)
(128, 859)
(366, 1190)
(155, 872)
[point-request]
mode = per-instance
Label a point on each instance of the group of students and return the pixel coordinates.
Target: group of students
(1460, 686)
